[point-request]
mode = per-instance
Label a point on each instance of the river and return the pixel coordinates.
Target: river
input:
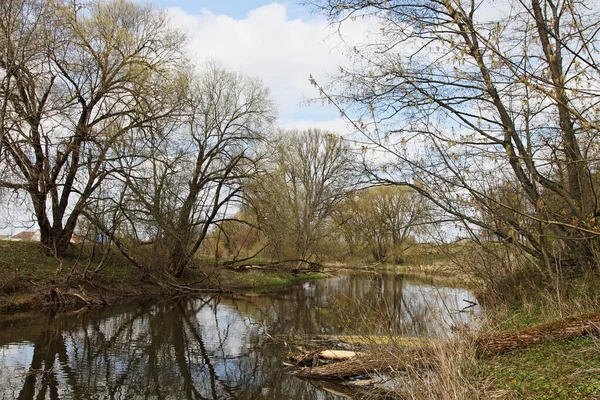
(213, 347)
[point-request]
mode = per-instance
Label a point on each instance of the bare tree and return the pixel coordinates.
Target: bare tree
(308, 174)
(468, 102)
(184, 177)
(77, 78)
(385, 220)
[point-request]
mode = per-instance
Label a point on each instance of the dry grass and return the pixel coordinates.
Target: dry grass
(517, 294)
(10, 282)
(455, 364)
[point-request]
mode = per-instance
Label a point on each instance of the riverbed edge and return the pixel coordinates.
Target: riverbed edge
(32, 282)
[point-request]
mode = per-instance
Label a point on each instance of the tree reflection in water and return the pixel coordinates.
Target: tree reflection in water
(208, 348)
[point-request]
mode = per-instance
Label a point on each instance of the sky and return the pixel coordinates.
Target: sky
(281, 42)
(237, 9)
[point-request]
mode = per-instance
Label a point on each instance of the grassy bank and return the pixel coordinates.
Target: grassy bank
(28, 279)
(567, 369)
(561, 370)
(516, 295)
(564, 369)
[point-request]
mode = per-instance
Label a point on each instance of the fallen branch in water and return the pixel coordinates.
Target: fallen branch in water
(61, 298)
(186, 289)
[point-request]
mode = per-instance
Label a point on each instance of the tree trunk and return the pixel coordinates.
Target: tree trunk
(55, 241)
(178, 257)
(564, 329)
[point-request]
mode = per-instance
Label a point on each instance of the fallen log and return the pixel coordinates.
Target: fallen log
(365, 364)
(376, 340)
(425, 358)
(564, 329)
(277, 266)
(486, 345)
(338, 355)
(355, 389)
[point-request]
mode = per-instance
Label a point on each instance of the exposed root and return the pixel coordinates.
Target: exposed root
(61, 298)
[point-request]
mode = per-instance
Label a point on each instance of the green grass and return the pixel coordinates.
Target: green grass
(26, 275)
(563, 370)
(558, 370)
(25, 260)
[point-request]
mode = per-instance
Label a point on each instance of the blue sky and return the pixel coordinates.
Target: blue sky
(237, 9)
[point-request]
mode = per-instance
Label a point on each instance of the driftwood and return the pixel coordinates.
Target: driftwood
(338, 355)
(366, 364)
(564, 329)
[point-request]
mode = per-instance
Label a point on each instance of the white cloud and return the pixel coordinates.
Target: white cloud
(283, 52)
(338, 125)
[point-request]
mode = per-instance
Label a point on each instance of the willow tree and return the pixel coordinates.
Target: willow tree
(384, 220)
(77, 79)
(307, 174)
(472, 100)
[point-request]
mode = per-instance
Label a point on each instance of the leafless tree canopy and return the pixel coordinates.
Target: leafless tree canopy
(193, 168)
(77, 78)
(488, 108)
(308, 174)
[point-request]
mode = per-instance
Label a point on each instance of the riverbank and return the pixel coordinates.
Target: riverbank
(31, 281)
(556, 360)
(552, 368)
(556, 370)
(565, 369)
(437, 273)
(434, 264)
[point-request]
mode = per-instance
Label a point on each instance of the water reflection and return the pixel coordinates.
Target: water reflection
(210, 348)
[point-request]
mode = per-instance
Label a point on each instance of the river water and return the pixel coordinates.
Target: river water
(214, 347)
